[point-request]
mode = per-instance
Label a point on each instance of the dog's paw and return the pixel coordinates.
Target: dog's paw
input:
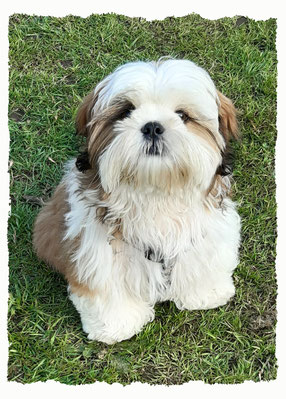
(207, 299)
(111, 322)
(110, 337)
(120, 330)
(116, 326)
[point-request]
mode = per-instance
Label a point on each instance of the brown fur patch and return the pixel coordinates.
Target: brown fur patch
(228, 127)
(218, 190)
(100, 137)
(101, 127)
(79, 288)
(203, 132)
(98, 129)
(84, 113)
(48, 241)
(227, 118)
(49, 230)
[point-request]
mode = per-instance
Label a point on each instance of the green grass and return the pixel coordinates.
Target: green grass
(54, 62)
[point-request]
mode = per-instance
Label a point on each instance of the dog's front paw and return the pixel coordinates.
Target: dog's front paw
(118, 329)
(206, 298)
(114, 323)
(110, 335)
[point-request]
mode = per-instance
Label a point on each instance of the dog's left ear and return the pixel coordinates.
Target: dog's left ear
(227, 118)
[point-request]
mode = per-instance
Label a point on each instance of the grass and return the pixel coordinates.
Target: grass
(54, 62)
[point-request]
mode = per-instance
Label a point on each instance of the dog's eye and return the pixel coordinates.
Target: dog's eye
(182, 114)
(126, 112)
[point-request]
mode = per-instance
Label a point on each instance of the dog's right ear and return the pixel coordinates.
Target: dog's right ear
(83, 119)
(84, 114)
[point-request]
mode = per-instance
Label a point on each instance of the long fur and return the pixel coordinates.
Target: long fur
(128, 229)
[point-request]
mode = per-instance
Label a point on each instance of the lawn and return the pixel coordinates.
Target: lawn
(54, 62)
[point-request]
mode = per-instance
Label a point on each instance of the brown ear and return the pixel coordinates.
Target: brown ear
(84, 114)
(227, 118)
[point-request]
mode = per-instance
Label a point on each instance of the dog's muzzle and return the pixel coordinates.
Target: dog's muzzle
(152, 132)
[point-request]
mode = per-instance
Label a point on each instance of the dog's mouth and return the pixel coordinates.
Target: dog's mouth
(154, 147)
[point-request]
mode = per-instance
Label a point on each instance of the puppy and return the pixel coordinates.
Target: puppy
(143, 215)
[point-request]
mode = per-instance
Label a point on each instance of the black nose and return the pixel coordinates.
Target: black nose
(152, 129)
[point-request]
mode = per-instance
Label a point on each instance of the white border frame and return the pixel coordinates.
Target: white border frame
(259, 10)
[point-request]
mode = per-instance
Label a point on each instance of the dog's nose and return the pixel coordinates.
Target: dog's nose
(152, 129)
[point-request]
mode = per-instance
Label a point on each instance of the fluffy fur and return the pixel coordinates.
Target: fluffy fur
(144, 215)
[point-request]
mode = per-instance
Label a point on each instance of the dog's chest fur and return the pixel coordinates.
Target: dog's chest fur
(142, 236)
(160, 225)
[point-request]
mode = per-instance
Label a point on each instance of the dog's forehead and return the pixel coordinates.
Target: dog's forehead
(171, 81)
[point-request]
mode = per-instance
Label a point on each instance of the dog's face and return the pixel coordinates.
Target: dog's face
(161, 125)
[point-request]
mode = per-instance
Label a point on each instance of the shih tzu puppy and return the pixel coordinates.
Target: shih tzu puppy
(143, 215)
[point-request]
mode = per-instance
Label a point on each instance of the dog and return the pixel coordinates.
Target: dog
(144, 214)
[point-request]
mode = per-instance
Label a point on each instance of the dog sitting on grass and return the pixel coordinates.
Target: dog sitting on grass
(143, 215)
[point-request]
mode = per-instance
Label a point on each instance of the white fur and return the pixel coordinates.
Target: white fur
(199, 242)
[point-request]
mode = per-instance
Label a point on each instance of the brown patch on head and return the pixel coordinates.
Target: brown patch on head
(86, 121)
(205, 133)
(227, 118)
(100, 137)
(98, 132)
(220, 185)
(101, 131)
(97, 126)
(84, 114)
(83, 120)
(87, 162)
